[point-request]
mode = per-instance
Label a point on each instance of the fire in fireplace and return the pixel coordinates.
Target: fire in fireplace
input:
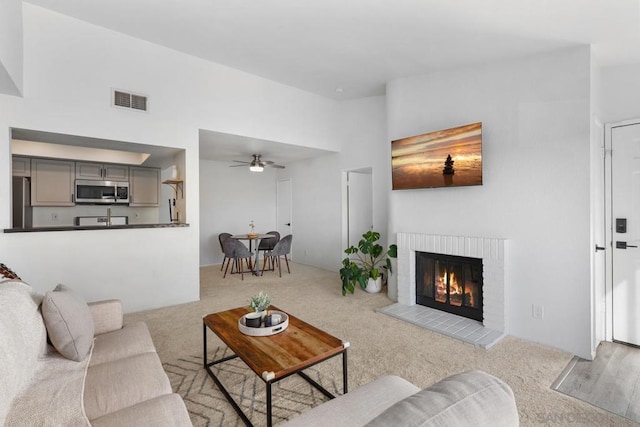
(449, 283)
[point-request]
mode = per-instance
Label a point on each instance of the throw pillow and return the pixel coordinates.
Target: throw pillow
(7, 273)
(69, 323)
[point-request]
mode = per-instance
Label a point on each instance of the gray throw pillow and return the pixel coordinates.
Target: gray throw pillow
(69, 323)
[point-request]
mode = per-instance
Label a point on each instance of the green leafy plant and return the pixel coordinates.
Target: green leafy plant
(365, 261)
(260, 301)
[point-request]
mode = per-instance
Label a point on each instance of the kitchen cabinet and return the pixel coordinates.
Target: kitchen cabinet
(20, 166)
(144, 186)
(52, 182)
(103, 171)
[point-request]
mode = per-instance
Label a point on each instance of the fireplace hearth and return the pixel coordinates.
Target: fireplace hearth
(492, 252)
(450, 283)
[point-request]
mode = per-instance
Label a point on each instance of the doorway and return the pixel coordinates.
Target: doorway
(622, 144)
(358, 215)
(284, 211)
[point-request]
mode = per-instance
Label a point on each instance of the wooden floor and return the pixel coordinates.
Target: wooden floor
(611, 381)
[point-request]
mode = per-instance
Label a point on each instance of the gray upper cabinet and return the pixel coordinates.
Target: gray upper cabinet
(144, 186)
(105, 171)
(20, 166)
(52, 182)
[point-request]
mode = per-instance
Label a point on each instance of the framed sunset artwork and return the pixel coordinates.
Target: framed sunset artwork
(444, 158)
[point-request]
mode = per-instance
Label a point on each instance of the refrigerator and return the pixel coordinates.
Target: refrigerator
(22, 210)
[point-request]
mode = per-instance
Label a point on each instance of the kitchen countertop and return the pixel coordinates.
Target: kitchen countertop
(92, 227)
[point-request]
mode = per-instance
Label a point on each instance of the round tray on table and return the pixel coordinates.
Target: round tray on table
(264, 331)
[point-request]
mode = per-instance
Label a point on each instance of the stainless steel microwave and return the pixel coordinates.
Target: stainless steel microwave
(102, 192)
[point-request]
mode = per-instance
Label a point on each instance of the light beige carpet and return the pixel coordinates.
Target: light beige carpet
(379, 345)
(208, 407)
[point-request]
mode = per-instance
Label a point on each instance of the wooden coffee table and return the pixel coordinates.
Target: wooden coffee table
(273, 357)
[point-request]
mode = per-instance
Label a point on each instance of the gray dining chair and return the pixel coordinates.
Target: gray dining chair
(237, 252)
(268, 244)
(221, 237)
(281, 249)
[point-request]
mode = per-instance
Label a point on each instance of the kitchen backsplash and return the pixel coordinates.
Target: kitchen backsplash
(61, 216)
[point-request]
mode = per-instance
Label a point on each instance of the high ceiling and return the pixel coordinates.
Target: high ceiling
(347, 49)
(225, 147)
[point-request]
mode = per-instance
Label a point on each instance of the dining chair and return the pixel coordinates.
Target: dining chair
(268, 244)
(221, 238)
(235, 250)
(281, 249)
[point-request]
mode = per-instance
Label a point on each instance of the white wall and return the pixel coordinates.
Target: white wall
(229, 199)
(69, 69)
(11, 47)
(317, 184)
(535, 193)
(620, 86)
(597, 187)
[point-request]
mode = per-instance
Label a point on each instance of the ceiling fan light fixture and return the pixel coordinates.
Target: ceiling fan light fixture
(256, 168)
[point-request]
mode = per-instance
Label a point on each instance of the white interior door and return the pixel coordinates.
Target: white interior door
(625, 207)
(284, 209)
(360, 205)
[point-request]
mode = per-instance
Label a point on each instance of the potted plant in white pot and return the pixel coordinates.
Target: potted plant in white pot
(363, 264)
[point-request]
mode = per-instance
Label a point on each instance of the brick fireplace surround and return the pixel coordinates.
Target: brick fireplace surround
(492, 253)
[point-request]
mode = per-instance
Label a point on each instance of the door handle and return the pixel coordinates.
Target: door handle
(288, 224)
(600, 248)
(623, 245)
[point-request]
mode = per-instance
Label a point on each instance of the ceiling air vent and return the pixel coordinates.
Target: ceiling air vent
(129, 100)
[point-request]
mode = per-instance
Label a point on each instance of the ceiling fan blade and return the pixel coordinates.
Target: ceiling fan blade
(257, 161)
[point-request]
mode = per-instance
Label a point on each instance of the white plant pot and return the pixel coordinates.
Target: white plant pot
(374, 286)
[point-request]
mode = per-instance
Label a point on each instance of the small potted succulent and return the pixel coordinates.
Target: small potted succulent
(363, 264)
(259, 302)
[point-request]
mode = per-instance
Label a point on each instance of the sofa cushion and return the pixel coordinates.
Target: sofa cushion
(112, 386)
(69, 322)
(167, 410)
(357, 407)
(468, 399)
(131, 340)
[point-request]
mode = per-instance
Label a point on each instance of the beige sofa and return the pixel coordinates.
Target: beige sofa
(95, 371)
(468, 399)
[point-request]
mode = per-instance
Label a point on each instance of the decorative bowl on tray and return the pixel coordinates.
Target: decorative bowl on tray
(263, 331)
(252, 235)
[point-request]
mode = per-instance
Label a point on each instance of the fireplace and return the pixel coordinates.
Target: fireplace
(450, 283)
(491, 251)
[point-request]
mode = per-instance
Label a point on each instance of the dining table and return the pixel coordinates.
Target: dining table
(251, 237)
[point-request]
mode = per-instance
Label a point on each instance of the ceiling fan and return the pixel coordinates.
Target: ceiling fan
(257, 164)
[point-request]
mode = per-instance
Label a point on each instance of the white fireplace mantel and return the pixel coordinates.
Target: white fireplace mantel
(490, 250)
